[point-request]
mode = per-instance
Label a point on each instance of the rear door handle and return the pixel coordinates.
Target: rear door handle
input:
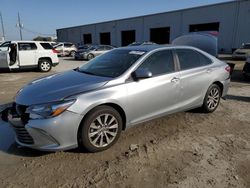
(175, 79)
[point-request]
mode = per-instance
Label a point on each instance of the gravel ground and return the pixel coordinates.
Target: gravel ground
(186, 149)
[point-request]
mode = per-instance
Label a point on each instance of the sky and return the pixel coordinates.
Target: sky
(43, 17)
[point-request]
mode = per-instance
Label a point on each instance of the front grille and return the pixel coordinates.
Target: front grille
(23, 135)
(18, 111)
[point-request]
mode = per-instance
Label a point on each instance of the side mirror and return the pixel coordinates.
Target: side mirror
(141, 74)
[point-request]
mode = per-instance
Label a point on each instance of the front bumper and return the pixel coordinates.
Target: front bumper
(53, 134)
(79, 56)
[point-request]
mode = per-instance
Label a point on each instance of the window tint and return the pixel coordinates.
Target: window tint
(46, 46)
(191, 59)
(27, 46)
(159, 63)
(204, 60)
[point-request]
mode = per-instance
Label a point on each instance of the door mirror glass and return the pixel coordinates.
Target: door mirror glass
(141, 73)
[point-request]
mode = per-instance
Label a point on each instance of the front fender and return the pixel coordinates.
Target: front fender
(87, 101)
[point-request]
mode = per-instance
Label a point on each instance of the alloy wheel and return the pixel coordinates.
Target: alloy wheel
(103, 130)
(213, 98)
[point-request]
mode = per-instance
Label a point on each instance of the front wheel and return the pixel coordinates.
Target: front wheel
(212, 99)
(101, 129)
(72, 54)
(44, 65)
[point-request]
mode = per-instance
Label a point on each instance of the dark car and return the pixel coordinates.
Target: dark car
(246, 69)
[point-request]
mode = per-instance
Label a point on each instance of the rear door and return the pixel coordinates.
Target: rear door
(195, 76)
(27, 52)
(151, 97)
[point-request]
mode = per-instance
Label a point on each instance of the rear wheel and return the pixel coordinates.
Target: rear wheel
(44, 65)
(90, 56)
(212, 99)
(101, 129)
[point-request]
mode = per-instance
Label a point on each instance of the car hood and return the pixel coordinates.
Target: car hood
(58, 86)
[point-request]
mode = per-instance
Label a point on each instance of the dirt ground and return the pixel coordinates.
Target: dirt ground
(187, 149)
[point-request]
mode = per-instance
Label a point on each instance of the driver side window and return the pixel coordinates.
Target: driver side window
(159, 63)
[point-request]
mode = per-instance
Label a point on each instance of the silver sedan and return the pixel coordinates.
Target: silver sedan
(89, 106)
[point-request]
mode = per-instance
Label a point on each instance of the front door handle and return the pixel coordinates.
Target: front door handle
(175, 79)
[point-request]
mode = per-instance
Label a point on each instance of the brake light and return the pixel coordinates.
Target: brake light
(228, 69)
(54, 51)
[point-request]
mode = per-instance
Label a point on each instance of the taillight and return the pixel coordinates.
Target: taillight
(228, 69)
(54, 51)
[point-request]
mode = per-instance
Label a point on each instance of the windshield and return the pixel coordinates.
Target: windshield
(111, 64)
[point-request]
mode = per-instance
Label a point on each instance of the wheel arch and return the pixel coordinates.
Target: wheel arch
(220, 85)
(44, 58)
(117, 107)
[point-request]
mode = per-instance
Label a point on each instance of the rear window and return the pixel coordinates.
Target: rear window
(46, 46)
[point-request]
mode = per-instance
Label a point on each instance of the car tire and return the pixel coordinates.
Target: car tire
(44, 65)
(90, 56)
(100, 129)
(212, 99)
(72, 53)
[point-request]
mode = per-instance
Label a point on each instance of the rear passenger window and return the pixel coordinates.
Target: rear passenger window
(191, 59)
(26, 46)
(159, 63)
(46, 46)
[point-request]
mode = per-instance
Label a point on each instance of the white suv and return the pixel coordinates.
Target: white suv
(27, 54)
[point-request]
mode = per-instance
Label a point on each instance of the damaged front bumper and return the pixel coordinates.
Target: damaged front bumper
(52, 134)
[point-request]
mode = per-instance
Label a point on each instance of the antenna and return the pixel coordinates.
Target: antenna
(20, 26)
(2, 26)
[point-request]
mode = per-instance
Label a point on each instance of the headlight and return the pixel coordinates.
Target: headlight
(48, 110)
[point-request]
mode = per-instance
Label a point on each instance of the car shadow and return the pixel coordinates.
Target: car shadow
(238, 76)
(238, 98)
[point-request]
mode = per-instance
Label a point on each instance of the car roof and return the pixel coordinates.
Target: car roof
(146, 48)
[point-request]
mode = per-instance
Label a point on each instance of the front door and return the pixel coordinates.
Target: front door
(155, 96)
(4, 55)
(4, 59)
